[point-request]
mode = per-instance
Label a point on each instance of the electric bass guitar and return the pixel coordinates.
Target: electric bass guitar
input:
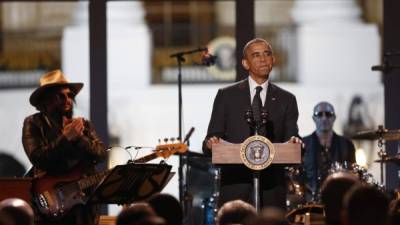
(54, 196)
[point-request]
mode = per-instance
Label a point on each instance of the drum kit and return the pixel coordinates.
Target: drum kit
(382, 135)
(311, 213)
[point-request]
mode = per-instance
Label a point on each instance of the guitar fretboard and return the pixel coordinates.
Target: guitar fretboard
(146, 158)
(92, 180)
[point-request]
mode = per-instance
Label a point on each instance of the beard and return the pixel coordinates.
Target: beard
(67, 113)
(59, 112)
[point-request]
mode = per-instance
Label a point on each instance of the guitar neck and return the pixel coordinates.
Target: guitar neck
(92, 180)
(146, 158)
(95, 179)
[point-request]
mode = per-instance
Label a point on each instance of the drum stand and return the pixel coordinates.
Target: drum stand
(382, 135)
(381, 153)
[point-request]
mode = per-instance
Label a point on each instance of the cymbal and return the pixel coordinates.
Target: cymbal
(393, 159)
(388, 135)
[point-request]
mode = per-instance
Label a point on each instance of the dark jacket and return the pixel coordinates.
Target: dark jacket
(342, 151)
(52, 154)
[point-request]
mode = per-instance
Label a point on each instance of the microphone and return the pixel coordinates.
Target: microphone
(207, 59)
(264, 117)
(248, 115)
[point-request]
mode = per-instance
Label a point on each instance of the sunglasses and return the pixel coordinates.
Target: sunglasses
(63, 96)
(326, 114)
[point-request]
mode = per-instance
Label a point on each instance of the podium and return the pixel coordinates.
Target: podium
(125, 184)
(279, 153)
(228, 153)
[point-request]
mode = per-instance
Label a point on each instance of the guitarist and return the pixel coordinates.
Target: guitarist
(56, 143)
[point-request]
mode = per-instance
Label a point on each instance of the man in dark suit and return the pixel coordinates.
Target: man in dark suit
(228, 122)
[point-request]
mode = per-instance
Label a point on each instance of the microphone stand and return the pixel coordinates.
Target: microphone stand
(256, 173)
(183, 196)
(180, 60)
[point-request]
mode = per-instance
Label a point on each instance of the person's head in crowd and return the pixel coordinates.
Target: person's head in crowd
(4, 220)
(167, 207)
(258, 59)
(365, 205)
(235, 212)
(324, 117)
(333, 191)
(10, 166)
(394, 212)
(269, 216)
(138, 213)
(152, 220)
(15, 211)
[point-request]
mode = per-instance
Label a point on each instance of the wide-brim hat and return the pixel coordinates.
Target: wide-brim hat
(54, 78)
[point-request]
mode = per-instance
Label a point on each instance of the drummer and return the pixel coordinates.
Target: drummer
(324, 148)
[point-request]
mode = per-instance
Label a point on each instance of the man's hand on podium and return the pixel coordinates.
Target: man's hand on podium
(212, 140)
(296, 140)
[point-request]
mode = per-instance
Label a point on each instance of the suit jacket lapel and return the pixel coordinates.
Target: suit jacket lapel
(244, 89)
(270, 98)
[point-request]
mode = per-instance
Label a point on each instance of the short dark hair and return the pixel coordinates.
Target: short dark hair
(10, 166)
(333, 191)
(135, 213)
(255, 40)
(167, 207)
(366, 205)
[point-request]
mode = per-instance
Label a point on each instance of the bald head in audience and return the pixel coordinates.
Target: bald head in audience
(269, 216)
(235, 212)
(15, 211)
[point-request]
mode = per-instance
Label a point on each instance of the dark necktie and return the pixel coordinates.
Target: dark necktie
(256, 106)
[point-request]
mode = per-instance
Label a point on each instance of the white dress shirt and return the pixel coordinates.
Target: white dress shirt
(253, 84)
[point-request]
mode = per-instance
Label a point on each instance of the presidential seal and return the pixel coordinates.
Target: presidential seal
(257, 152)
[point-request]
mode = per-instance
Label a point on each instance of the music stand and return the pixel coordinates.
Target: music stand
(125, 184)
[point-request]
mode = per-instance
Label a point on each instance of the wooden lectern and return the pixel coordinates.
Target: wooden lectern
(228, 153)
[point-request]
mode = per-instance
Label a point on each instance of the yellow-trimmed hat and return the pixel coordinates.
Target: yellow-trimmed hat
(52, 79)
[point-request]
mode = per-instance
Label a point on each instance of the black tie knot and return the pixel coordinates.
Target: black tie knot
(258, 90)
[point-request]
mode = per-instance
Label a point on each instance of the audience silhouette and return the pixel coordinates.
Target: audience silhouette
(365, 205)
(15, 211)
(235, 212)
(167, 207)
